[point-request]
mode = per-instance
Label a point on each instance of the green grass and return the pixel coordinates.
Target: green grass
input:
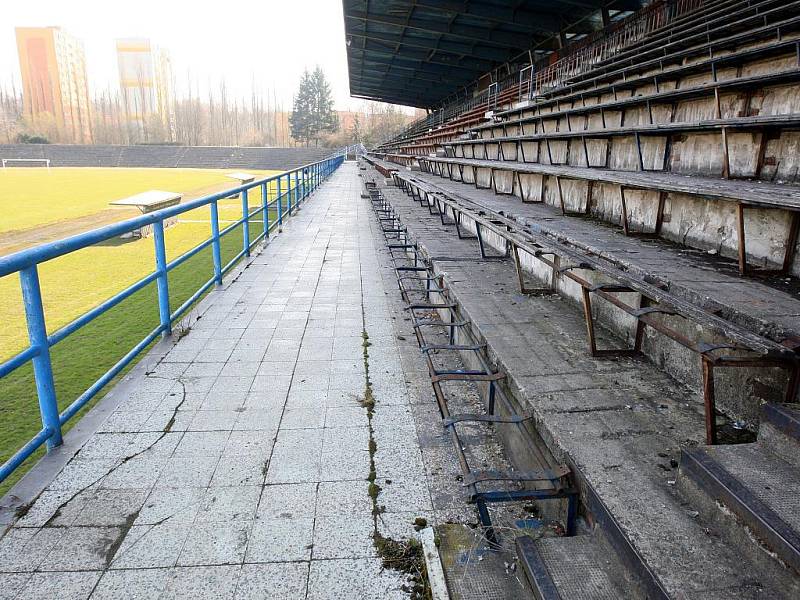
(73, 284)
(67, 193)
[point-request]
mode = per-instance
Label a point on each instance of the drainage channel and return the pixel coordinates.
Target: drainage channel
(455, 359)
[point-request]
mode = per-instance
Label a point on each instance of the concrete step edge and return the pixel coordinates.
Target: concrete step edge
(784, 418)
(711, 477)
(536, 572)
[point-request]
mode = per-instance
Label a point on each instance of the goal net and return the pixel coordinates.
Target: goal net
(26, 162)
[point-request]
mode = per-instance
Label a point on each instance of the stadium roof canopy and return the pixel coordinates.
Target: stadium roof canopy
(419, 52)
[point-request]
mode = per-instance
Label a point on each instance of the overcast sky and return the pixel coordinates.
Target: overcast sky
(269, 41)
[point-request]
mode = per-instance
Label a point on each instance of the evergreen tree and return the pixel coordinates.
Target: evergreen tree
(312, 110)
(355, 129)
(300, 120)
(327, 119)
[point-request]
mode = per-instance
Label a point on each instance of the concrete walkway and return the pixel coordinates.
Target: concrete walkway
(237, 466)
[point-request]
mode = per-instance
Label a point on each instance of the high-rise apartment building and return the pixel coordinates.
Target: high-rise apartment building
(54, 85)
(146, 83)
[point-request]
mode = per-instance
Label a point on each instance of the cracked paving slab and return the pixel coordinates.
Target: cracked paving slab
(236, 466)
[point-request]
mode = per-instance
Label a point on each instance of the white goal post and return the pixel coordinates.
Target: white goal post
(9, 162)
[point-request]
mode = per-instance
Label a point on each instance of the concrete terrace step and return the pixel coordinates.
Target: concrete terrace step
(618, 424)
(574, 568)
(756, 192)
(758, 486)
(779, 430)
(765, 309)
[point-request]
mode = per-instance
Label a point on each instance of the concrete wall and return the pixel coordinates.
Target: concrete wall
(206, 157)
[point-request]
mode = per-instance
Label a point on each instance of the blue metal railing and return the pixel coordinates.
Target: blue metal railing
(291, 186)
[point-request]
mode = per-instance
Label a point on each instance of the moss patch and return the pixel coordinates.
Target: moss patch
(405, 556)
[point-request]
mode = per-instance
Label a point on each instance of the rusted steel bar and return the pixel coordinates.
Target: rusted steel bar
(652, 301)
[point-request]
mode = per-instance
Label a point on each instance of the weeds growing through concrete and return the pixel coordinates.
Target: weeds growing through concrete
(405, 556)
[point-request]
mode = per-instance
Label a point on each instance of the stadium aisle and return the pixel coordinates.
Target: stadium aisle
(237, 466)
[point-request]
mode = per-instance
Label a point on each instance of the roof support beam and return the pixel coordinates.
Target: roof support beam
(388, 74)
(473, 34)
(404, 100)
(382, 78)
(373, 48)
(482, 52)
(509, 15)
(428, 99)
(434, 70)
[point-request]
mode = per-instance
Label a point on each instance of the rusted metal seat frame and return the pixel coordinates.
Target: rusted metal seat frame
(553, 481)
(437, 167)
(762, 353)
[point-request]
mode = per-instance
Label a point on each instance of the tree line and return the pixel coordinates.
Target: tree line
(215, 117)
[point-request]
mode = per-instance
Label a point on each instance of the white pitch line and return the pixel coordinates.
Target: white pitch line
(200, 221)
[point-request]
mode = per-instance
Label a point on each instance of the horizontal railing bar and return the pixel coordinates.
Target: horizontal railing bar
(20, 455)
(123, 362)
(30, 256)
(18, 360)
(231, 227)
(257, 211)
(233, 261)
(189, 254)
(98, 310)
(257, 239)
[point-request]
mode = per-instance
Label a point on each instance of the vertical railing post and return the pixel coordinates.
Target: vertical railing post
(42, 366)
(294, 199)
(265, 208)
(279, 191)
(298, 194)
(216, 250)
(292, 192)
(280, 205)
(162, 282)
(288, 192)
(245, 224)
(295, 192)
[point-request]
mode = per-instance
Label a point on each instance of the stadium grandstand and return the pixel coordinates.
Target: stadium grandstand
(603, 197)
